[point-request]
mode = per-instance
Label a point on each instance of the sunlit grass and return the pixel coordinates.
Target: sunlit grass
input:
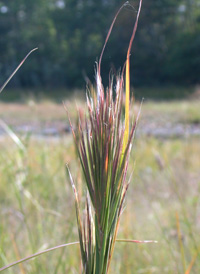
(164, 172)
(183, 111)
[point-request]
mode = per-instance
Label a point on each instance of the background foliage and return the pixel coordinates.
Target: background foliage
(70, 35)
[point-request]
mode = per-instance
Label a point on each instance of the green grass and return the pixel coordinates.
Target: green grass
(166, 180)
(184, 111)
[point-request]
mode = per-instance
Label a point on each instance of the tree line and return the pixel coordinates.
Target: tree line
(70, 35)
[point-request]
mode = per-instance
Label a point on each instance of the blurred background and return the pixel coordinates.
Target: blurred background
(70, 35)
(36, 200)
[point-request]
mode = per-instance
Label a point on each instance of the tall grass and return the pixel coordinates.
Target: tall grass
(104, 164)
(103, 147)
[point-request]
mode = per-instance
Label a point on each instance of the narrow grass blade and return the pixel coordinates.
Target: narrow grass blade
(17, 253)
(18, 67)
(136, 241)
(108, 35)
(80, 229)
(36, 255)
(126, 133)
(13, 136)
(180, 241)
(191, 265)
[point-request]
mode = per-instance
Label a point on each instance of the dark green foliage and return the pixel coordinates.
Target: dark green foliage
(70, 34)
(185, 61)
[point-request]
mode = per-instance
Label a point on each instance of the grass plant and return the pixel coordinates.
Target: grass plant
(104, 147)
(104, 164)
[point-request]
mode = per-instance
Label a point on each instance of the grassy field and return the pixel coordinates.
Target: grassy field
(163, 203)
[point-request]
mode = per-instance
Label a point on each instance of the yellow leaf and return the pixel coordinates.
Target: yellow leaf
(126, 132)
